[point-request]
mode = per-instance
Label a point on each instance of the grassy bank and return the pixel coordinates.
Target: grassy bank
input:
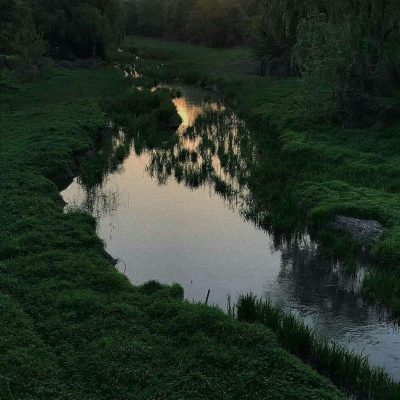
(347, 370)
(72, 326)
(307, 172)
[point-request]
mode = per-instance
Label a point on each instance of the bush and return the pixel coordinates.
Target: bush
(83, 28)
(19, 38)
(328, 55)
(29, 46)
(349, 63)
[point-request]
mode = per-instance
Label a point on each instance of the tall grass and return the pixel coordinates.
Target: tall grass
(350, 372)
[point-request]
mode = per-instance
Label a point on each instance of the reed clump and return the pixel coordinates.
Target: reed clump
(351, 372)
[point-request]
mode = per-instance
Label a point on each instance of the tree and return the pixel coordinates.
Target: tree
(19, 37)
(87, 27)
(349, 62)
(177, 14)
(211, 22)
(328, 53)
(151, 16)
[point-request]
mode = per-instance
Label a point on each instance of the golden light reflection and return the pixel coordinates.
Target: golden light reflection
(188, 112)
(131, 71)
(216, 107)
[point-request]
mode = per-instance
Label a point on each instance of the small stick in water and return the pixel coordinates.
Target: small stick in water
(208, 295)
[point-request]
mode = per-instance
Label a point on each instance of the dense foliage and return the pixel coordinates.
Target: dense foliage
(217, 23)
(82, 28)
(352, 57)
(19, 35)
(347, 52)
(87, 27)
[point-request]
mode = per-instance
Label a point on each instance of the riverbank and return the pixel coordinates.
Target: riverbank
(310, 171)
(72, 326)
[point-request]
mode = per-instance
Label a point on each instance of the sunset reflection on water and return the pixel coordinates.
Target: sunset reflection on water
(187, 111)
(183, 230)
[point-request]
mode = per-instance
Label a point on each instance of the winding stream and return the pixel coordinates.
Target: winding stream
(179, 210)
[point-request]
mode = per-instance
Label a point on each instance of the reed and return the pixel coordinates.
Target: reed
(351, 372)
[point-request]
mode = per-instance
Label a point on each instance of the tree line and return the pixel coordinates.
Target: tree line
(348, 52)
(83, 28)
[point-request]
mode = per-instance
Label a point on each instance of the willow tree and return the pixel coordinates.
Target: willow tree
(19, 37)
(177, 14)
(275, 32)
(218, 23)
(378, 23)
(88, 27)
(349, 57)
(151, 16)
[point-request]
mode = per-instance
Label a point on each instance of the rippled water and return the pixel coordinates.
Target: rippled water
(178, 209)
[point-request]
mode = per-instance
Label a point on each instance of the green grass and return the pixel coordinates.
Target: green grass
(72, 326)
(202, 60)
(347, 370)
(307, 171)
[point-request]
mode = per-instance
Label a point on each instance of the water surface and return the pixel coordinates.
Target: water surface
(178, 209)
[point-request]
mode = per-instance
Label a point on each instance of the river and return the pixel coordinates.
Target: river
(179, 210)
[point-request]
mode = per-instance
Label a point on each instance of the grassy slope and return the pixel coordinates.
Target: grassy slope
(325, 170)
(72, 326)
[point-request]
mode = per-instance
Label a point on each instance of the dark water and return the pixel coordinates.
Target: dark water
(178, 209)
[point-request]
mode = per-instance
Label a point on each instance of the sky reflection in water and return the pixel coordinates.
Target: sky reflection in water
(159, 212)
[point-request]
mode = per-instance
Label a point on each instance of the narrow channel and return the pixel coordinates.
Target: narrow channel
(178, 211)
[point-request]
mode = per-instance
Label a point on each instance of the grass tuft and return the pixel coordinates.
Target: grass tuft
(349, 371)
